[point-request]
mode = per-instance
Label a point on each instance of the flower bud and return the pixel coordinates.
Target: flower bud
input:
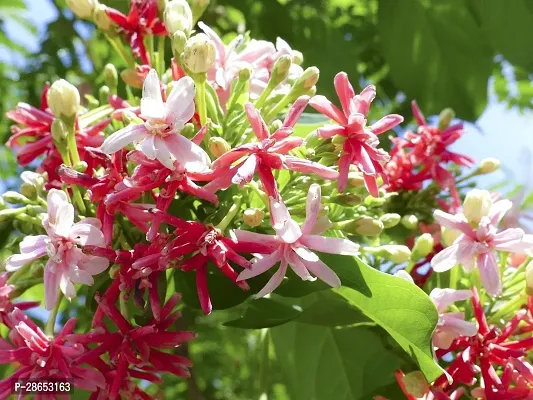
(130, 77)
(81, 166)
(488, 165)
(416, 384)
(114, 271)
(218, 146)
(36, 269)
(372, 202)
(33, 178)
(103, 94)
(446, 116)
(477, 205)
(396, 253)
(179, 39)
(423, 246)
(297, 57)
(529, 279)
(199, 54)
(245, 74)
(449, 236)
(2, 204)
(367, 226)
(63, 99)
(409, 221)
(12, 197)
(355, 179)
(306, 81)
(59, 131)
(253, 217)
(8, 213)
(280, 70)
(178, 17)
(82, 8)
(390, 220)
(28, 190)
(101, 19)
(345, 199)
(111, 76)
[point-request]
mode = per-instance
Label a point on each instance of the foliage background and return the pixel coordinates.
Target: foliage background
(471, 55)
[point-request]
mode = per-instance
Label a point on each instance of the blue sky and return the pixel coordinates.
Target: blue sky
(503, 133)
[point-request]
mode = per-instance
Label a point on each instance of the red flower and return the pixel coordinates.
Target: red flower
(141, 20)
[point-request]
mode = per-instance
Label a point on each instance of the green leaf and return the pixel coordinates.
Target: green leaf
(437, 54)
(398, 306)
(265, 313)
(321, 363)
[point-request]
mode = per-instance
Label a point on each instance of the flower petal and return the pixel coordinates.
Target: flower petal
(386, 123)
(87, 234)
(323, 272)
(299, 268)
(180, 103)
(490, 273)
(51, 285)
(275, 281)
(123, 137)
(94, 265)
(247, 236)
(163, 154)
(148, 147)
(246, 171)
(261, 265)
(312, 208)
(498, 210)
(152, 105)
(459, 326)
(328, 131)
(344, 90)
(256, 121)
(330, 245)
(445, 259)
(304, 253)
(286, 228)
(443, 298)
(455, 222)
(309, 167)
(191, 156)
(326, 107)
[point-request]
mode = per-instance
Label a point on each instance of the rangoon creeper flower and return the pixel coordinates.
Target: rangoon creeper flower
(159, 136)
(480, 239)
(360, 142)
(294, 244)
(451, 325)
(67, 264)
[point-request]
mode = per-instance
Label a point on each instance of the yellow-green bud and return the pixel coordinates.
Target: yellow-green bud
(338, 140)
(103, 94)
(81, 166)
(188, 130)
(218, 146)
(448, 236)
(355, 179)
(297, 57)
(28, 190)
(131, 118)
(280, 71)
(488, 165)
(423, 246)
(114, 270)
(390, 220)
(396, 253)
(245, 74)
(367, 226)
(416, 384)
(346, 199)
(8, 213)
(130, 77)
(179, 39)
(445, 118)
(529, 279)
(306, 81)
(477, 205)
(82, 8)
(253, 217)
(111, 76)
(178, 17)
(63, 99)
(59, 131)
(101, 19)
(371, 201)
(12, 197)
(199, 54)
(410, 221)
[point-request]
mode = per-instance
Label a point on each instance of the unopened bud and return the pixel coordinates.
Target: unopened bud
(130, 77)
(101, 19)
(338, 140)
(396, 253)
(416, 384)
(477, 205)
(244, 74)
(33, 178)
(131, 118)
(103, 93)
(529, 279)
(92, 102)
(199, 54)
(188, 130)
(355, 179)
(28, 190)
(81, 166)
(410, 221)
(218, 146)
(367, 226)
(179, 39)
(2, 204)
(63, 99)
(446, 117)
(423, 246)
(275, 125)
(402, 273)
(253, 217)
(82, 8)
(449, 236)
(114, 271)
(297, 57)
(390, 220)
(8, 213)
(280, 71)
(346, 199)
(12, 197)
(178, 17)
(59, 131)
(306, 81)
(372, 202)
(111, 76)
(488, 165)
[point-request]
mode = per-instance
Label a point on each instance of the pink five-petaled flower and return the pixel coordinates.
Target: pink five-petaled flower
(159, 136)
(293, 245)
(268, 153)
(451, 324)
(37, 356)
(360, 142)
(480, 239)
(67, 264)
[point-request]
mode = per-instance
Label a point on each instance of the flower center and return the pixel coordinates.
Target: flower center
(159, 127)
(56, 248)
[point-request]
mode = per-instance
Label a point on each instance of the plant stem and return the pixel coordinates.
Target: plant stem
(201, 106)
(277, 108)
(50, 324)
(231, 213)
(119, 48)
(161, 54)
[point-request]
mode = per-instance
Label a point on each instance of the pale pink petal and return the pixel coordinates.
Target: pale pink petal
(148, 147)
(328, 131)
(512, 240)
(257, 51)
(304, 253)
(322, 224)
(445, 259)
(16, 261)
(417, 113)
(312, 208)
(92, 221)
(310, 167)
(283, 146)
(455, 222)
(81, 276)
(55, 199)
(344, 90)
(451, 323)
(247, 236)
(152, 105)
(60, 213)
(386, 123)
(94, 265)
(323, 272)
(66, 286)
(361, 102)
(295, 111)
(275, 281)
(261, 265)
(180, 103)
(162, 153)
(443, 339)
(51, 284)
(189, 155)
(286, 228)
(344, 170)
(87, 234)
(330, 245)
(123, 137)
(443, 298)
(326, 107)
(498, 210)
(256, 121)
(246, 171)
(31, 243)
(490, 273)
(299, 268)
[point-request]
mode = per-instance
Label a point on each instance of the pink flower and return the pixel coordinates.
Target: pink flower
(294, 244)
(268, 153)
(6, 306)
(480, 239)
(159, 136)
(37, 356)
(451, 325)
(360, 142)
(67, 264)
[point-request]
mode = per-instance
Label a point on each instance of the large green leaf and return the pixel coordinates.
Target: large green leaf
(437, 54)
(321, 363)
(395, 304)
(265, 313)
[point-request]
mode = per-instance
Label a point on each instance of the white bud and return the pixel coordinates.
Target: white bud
(449, 236)
(178, 17)
(409, 221)
(218, 146)
(489, 165)
(477, 205)
(423, 246)
(63, 99)
(199, 53)
(82, 8)
(253, 217)
(101, 19)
